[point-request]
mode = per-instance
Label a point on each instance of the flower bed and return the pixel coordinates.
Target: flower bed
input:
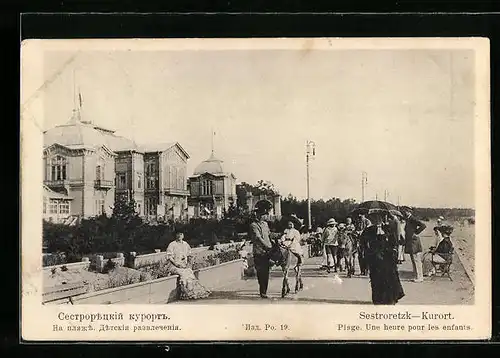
(206, 259)
(161, 290)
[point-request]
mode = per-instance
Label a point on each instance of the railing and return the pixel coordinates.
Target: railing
(99, 183)
(56, 183)
(172, 191)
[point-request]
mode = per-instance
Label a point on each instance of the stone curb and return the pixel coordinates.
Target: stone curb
(459, 254)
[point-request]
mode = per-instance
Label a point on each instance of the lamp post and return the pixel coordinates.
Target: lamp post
(364, 181)
(310, 154)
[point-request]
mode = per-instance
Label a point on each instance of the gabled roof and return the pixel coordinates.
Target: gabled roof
(213, 175)
(162, 147)
(79, 146)
(79, 134)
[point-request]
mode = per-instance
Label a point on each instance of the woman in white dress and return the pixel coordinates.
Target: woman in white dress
(291, 239)
(401, 247)
(178, 252)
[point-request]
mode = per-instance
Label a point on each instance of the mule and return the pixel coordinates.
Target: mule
(285, 259)
(348, 246)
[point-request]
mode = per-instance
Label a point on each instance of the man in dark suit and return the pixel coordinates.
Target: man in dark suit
(363, 223)
(413, 245)
(260, 235)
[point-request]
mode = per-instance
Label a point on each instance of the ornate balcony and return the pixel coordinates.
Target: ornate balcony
(56, 183)
(103, 184)
(179, 192)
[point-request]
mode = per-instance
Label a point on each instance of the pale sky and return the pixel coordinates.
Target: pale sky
(405, 117)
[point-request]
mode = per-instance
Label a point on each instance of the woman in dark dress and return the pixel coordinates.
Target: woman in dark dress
(381, 250)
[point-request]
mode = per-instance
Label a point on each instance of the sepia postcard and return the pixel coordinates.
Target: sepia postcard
(255, 189)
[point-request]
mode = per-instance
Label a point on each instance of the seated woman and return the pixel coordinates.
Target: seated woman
(291, 239)
(178, 252)
(440, 253)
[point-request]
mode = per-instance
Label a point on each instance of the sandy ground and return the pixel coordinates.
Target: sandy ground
(464, 240)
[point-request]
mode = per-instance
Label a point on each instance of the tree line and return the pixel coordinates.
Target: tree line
(339, 209)
(126, 231)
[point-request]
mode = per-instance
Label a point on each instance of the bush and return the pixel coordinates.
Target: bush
(109, 266)
(156, 270)
(114, 234)
(53, 259)
(122, 276)
(229, 255)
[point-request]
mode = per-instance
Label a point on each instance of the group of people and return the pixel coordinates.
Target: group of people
(265, 254)
(333, 244)
(380, 239)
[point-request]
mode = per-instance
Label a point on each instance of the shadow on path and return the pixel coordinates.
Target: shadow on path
(250, 295)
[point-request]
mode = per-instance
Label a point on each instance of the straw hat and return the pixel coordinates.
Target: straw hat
(331, 222)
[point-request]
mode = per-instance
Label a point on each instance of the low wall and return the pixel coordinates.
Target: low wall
(138, 261)
(84, 265)
(100, 261)
(459, 255)
(148, 259)
(219, 275)
(53, 295)
(162, 290)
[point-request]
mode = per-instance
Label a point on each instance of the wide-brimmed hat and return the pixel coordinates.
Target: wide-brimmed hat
(406, 209)
(297, 223)
(262, 207)
(331, 222)
(446, 230)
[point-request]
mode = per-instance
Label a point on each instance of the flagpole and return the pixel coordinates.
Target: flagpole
(213, 135)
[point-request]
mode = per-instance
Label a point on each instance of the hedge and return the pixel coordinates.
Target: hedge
(104, 235)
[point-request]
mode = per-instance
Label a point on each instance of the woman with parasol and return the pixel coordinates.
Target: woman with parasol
(381, 250)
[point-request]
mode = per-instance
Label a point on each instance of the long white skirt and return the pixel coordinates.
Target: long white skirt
(401, 253)
(325, 257)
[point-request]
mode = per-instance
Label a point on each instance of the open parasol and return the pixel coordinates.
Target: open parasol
(376, 206)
